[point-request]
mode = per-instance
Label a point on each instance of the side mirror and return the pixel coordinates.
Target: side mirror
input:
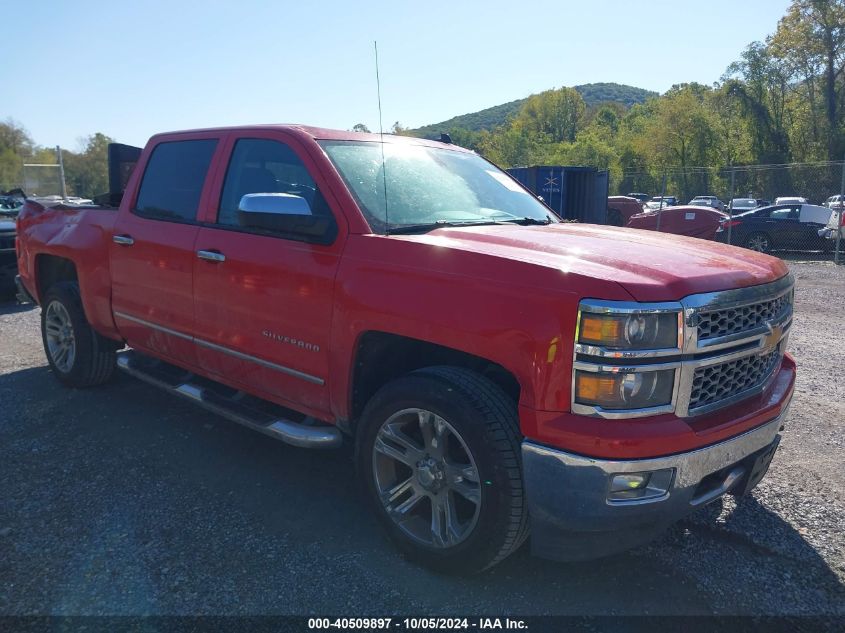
(287, 215)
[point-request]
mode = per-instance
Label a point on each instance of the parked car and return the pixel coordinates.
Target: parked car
(694, 221)
(668, 201)
(10, 204)
(642, 197)
(836, 221)
(8, 260)
(707, 201)
(783, 227)
(621, 208)
(791, 200)
(741, 205)
(262, 272)
(835, 202)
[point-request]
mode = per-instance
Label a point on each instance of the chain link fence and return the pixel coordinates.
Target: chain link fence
(42, 180)
(794, 211)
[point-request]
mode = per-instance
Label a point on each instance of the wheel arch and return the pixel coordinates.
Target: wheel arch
(51, 269)
(381, 357)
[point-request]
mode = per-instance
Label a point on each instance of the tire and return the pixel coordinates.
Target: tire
(476, 424)
(88, 358)
(759, 242)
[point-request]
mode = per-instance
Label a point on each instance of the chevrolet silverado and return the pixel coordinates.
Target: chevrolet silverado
(501, 374)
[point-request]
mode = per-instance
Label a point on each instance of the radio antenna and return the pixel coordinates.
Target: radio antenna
(381, 136)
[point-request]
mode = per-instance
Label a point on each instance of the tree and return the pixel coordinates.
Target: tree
(14, 137)
(360, 127)
(509, 146)
(681, 135)
(554, 114)
(811, 38)
(760, 83)
(15, 146)
(86, 172)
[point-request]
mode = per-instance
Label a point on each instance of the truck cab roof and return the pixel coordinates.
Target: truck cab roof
(317, 134)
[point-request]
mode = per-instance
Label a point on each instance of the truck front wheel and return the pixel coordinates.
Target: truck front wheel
(78, 356)
(439, 455)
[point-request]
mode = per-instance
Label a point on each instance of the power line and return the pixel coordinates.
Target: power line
(700, 169)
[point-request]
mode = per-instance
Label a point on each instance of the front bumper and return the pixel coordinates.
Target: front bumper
(572, 517)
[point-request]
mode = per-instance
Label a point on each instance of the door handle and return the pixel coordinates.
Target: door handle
(123, 240)
(211, 256)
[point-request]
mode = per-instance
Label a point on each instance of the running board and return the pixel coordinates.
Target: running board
(259, 415)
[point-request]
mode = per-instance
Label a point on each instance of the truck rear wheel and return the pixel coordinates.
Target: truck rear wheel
(78, 355)
(439, 454)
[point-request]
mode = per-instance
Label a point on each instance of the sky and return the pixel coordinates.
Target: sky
(132, 69)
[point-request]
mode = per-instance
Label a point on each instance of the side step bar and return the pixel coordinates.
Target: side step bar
(259, 415)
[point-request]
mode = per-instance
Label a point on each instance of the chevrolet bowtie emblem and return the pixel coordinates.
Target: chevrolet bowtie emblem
(773, 337)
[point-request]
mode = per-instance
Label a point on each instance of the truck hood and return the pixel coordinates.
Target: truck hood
(650, 266)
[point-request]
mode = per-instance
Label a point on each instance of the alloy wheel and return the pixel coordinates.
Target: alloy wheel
(61, 342)
(426, 478)
(759, 243)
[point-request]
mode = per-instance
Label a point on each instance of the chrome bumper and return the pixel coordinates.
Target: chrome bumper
(572, 517)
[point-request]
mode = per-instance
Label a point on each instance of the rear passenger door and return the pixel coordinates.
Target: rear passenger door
(263, 303)
(152, 250)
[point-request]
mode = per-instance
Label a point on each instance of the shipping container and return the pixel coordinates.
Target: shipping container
(574, 193)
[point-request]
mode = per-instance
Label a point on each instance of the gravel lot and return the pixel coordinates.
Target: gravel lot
(124, 500)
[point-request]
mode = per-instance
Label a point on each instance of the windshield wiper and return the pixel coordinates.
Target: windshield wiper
(430, 226)
(526, 221)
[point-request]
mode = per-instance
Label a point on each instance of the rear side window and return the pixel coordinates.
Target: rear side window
(173, 180)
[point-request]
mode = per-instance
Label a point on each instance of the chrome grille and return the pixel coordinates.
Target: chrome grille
(716, 383)
(718, 323)
(732, 345)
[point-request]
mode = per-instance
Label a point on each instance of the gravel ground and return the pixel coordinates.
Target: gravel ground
(123, 500)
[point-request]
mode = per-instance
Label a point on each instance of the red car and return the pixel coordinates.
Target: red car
(620, 209)
(693, 221)
(501, 373)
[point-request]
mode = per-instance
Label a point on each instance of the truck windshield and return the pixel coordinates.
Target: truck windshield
(429, 187)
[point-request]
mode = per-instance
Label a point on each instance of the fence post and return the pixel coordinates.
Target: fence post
(61, 171)
(731, 203)
(662, 200)
(839, 217)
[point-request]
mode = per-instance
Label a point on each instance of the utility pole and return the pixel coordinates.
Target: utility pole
(61, 172)
(731, 203)
(839, 217)
(662, 200)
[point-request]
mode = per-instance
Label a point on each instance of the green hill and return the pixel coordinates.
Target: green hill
(489, 118)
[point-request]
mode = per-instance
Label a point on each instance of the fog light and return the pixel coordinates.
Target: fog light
(642, 486)
(629, 481)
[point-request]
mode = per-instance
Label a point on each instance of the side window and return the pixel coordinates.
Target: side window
(787, 213)
(173, 180)
(266, 166)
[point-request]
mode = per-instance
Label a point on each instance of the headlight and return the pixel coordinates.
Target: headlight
(634, 331)
(624, 390)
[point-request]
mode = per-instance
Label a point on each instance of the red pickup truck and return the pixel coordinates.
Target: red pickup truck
(500, 372)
